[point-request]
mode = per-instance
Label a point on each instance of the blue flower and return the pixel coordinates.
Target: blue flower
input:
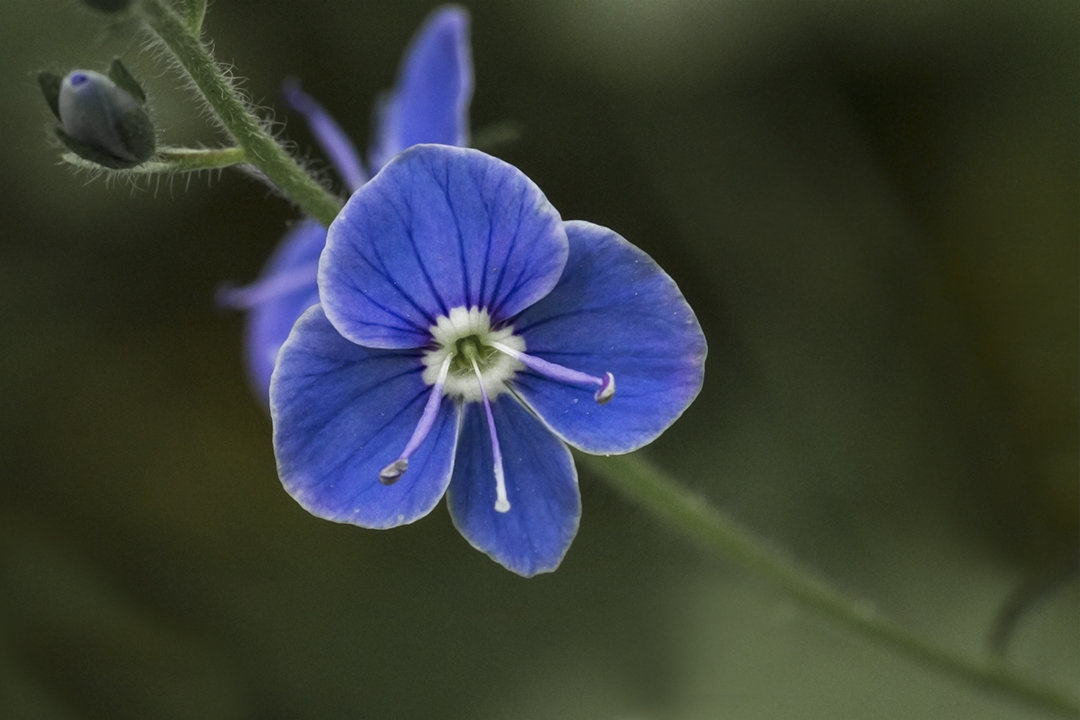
(465, 335)
(429, 103)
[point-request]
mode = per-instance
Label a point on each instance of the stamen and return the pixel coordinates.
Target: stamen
(605, 385)
(392, 472)
(258, 292)
(502, 503)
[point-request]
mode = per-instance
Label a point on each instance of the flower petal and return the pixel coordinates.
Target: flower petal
(284, 290)
(438, 228)
(541, 485)
(430, 102)
(614, 310)
(343, 412)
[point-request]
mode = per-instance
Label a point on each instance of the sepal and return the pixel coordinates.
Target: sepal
(120, 75)
(50, 87)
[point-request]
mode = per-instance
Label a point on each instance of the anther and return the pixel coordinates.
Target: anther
(606, 390)
(390, 474)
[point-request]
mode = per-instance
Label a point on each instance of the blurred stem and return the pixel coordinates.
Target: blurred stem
(1025, 597)
(234, 113)
(677, 507)
(194, 12)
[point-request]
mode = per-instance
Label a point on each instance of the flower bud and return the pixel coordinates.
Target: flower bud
(103, 118)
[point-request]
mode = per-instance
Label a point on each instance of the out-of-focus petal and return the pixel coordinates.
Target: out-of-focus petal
(614, 310)
(438, 228)
(282, 293)
(335, 143)
(541, 485)
(343, 412)
(430, 101)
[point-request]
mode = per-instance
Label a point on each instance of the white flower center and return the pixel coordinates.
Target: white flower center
(466, 337)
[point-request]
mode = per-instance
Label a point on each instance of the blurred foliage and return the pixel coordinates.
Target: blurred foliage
(872, 206)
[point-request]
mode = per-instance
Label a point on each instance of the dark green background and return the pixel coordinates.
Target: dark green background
(874, 209)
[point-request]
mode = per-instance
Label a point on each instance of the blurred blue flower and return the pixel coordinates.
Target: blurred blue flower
(429, 103)
(465, 334)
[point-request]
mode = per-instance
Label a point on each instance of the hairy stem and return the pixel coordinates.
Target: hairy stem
(194, 12)
(228, 105)
(171, 160)
(182, 159)
(661, 496)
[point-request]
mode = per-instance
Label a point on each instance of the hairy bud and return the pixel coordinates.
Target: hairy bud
(103, 118)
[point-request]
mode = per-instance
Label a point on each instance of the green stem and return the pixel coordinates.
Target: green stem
(194, 13)
(182, 159)
(171, 160)
(675, 506)
(260, 148)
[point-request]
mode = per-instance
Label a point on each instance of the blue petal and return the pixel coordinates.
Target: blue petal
(541, 485)
(614, 310)
(341, 414)
(430, 102)
(438, 228)
(282, 293)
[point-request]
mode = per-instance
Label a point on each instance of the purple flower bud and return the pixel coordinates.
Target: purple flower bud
(103, 122)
